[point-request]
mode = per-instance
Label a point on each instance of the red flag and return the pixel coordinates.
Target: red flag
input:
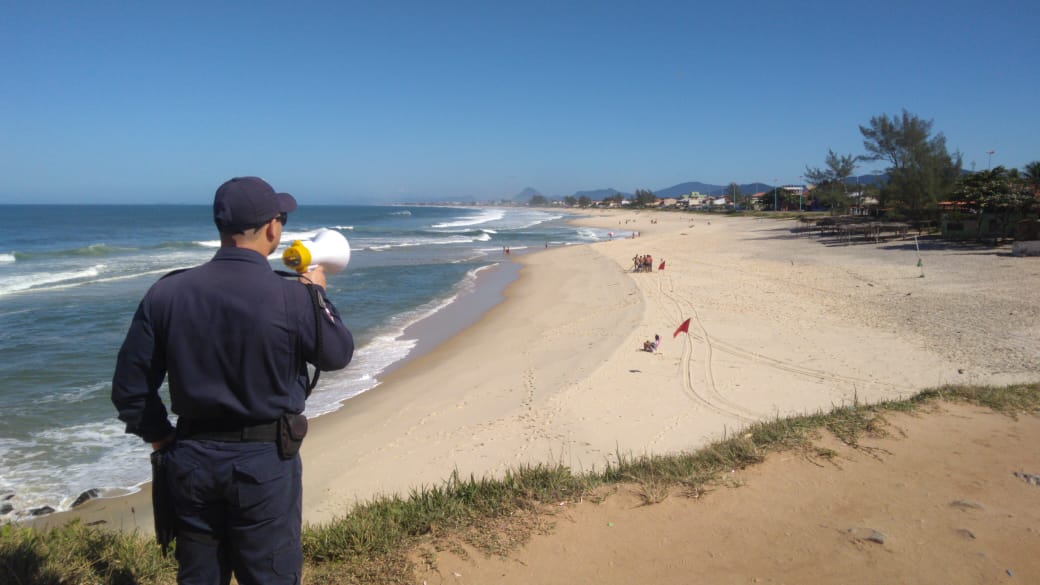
(684, 328)
(661, 267)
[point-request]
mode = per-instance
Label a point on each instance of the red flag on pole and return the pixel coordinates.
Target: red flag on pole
(684, 328)
(661, 267)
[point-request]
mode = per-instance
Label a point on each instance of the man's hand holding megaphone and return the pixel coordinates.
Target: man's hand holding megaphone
(314, 276)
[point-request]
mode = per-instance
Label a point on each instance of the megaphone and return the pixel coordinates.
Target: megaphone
(327, 247)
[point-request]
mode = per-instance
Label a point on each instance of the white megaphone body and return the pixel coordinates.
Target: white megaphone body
(327, 248)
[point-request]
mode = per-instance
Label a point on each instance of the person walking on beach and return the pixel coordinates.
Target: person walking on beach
(234, 339)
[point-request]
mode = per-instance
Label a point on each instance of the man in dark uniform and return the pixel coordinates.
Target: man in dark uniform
(234, 340)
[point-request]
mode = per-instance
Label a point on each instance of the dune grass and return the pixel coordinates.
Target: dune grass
(380, 541)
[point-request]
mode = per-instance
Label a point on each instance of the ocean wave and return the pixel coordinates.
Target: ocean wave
(411, 243)
(60, 281)
(97, 455)
(388, 347)
(588, 234)
(97, 250)
(182, 245)
(90, 250)
(24, 282)
(485, 216)
(101, 250)
(405, 212)
(538, 220)
(74, 395)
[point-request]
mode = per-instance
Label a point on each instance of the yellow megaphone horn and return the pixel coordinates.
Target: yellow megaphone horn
(327, 248)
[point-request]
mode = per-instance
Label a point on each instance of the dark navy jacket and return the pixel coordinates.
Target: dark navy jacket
(234, 339)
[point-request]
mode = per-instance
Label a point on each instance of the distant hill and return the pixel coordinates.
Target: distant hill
(676, 191)
(599, 194)
(709, 189)
(684, 188)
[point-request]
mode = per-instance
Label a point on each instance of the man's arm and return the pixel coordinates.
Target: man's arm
(337, 342)
(135, 384)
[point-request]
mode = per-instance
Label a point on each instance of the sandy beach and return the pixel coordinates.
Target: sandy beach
(780, 324)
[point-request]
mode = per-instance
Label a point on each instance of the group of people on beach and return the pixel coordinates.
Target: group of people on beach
(644, 263)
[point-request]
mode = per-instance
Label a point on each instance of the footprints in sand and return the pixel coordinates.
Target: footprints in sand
(699, 377)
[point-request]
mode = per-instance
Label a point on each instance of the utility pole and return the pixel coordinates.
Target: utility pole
(775, 208)
(989, 159)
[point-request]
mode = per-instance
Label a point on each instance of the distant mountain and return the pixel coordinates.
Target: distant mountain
(684, 188)
(598, 194)
(709, 189)
(676, 191)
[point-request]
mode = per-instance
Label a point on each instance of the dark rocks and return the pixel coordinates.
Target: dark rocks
(41, 511)
(87, 495)
(5, 509)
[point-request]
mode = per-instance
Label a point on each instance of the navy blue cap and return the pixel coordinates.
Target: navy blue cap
(248, 202)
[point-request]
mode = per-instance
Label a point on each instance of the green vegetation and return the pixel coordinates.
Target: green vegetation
(999, 192)
(921, 170)
(378, 542)
(832, 190)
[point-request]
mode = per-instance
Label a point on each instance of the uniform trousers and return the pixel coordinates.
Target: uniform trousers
(239, 510)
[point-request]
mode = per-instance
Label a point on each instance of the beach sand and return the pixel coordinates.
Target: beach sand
(780, 324)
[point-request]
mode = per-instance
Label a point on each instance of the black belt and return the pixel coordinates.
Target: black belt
(204, 430)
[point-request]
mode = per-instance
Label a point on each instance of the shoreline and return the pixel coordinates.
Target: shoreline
(130, 509)
(780, 324)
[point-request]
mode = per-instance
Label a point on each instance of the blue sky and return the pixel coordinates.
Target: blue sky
(340, 102)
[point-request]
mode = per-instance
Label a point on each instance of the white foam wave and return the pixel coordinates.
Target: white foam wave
(7, 257)
(208, 243)
(427, 242)
(67, 285)
(405, 212)
(588, 234)
(24, 282)
(289, 237)
(383, 351)
(75, 395)
(343, 227)
(98, 455)
(538, 220)
(485, 216)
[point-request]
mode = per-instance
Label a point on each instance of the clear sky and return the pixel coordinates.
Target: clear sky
(345, 101)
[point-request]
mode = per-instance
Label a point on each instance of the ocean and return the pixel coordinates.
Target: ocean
(71, 277)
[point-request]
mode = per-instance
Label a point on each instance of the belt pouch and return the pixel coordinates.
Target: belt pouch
(292, 428)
